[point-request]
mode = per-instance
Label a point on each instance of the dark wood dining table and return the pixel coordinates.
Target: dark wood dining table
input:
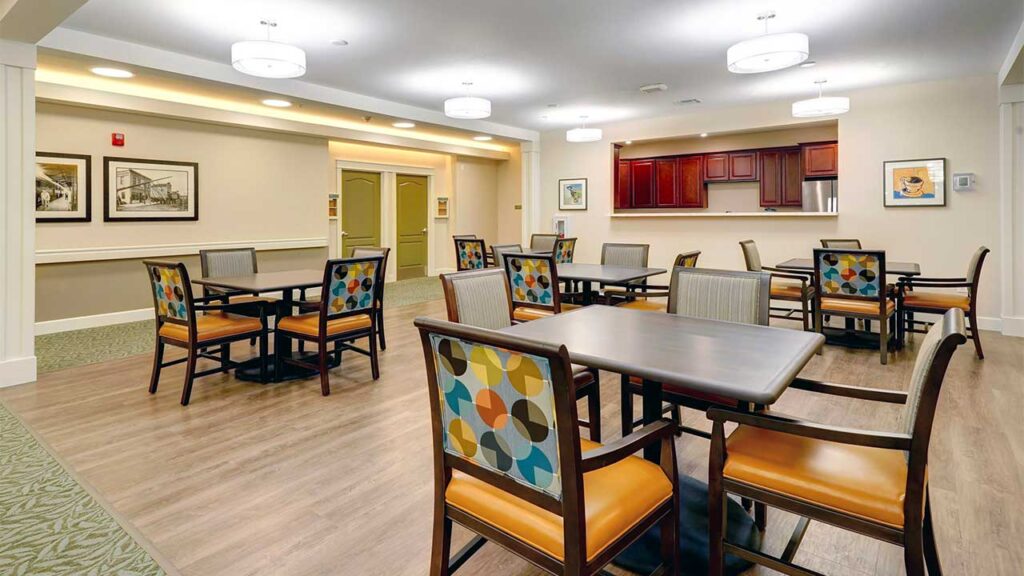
(285, 282)
(588, 274)
(751, 364)
(896, 268)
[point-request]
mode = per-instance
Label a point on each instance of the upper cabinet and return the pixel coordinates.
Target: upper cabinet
(821, 159)
(641, 175)
(716, 167)
(781, 181)
(666, 192)
(692, 191)
(730, 166)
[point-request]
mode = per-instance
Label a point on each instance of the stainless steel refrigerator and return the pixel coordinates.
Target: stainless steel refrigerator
(821, 195)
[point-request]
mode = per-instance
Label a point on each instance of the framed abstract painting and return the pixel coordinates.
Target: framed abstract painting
(914, 182)
(572, 194)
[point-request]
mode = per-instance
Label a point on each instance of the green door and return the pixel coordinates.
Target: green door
(412, 226)
(360, 210)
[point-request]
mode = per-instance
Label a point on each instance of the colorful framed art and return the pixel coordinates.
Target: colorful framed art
(908, 183)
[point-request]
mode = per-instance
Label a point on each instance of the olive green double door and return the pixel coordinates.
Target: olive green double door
(361, 218)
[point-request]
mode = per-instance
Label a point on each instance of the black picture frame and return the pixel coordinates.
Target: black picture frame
(88, 187)
(108, 217)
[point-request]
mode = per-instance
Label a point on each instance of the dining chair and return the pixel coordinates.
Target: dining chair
(223, 262)
(647, 296)
(470, 253)
(510, 466)
(726, 295)
(533, 285)
(851, 284)
(564, 250)
(914, 301)
(384, 252)
(178, 324)
(621, 254)
(498, 250)
(801, 291)
(347, 310)
(482, 298)
(464, 236)
(841, 243)
(543, 242)
(872, 483)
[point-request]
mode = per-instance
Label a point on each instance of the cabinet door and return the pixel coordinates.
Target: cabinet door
(716, 167)
(623, 195)
(743, 165)
(641, 173)
(792, 178)
(693, 192)
(821, 160)
(665, 183)
(771, 169)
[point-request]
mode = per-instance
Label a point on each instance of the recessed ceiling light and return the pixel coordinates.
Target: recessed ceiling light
(628, 142)
(483, 138)
(339, 42)
(276, 103)
(111, 72)
(403, 124)
(808, 64)
(703, 134)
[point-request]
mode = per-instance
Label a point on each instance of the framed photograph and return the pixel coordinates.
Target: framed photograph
(572, 194)
(442, 207)
(914, 182)
(63, 187)
(135, 189)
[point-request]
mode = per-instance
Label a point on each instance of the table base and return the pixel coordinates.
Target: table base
(249, 370)
(645, 554)
(856, 339)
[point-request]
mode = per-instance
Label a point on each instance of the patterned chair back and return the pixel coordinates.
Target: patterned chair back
(974, 270)
(728, 295)
(543, 242)
(464, 236)
(625, 254)
(351, 286)
(687, 259)
(470, 253)
(228, 262)
(478, 298)
(850, 274)
(500, 250)
(751, 256)
(533, 281)
(501, 410)
(564, 250)
(172, 292)
(382, 251)
(841, 243)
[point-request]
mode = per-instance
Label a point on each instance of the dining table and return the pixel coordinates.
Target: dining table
(287, 283)
(891, 268)
(609, 274)
(751, 364)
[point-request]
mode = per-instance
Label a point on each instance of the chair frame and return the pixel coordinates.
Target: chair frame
(344, 340)
(196, 349)
(885, 331)
(662, 290)
(917, 536)
(572, 464)
(907, 323)
(483, 252)
(807, 289)
(495, 261)
(825, 243)
(609, 298)
(386, 253)
(250, 309)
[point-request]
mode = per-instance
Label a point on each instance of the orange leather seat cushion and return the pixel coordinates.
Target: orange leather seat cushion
(524, 314)
(787, 290)
(937, 300)
(637, 385)
(648, 305)
(866, 482)
(212, 326)
(863, 307)
(616, 497)
(309, 324)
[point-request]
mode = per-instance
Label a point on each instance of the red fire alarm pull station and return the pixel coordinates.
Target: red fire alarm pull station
(117, 139)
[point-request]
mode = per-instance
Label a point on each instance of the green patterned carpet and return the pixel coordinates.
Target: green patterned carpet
(51, 525)
(80, 347)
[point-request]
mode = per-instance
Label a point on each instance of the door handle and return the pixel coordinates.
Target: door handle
(343, 233)
(424, 231)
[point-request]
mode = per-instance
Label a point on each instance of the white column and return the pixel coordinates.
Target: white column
(1011, 209)
(531, 198)
(17, 212)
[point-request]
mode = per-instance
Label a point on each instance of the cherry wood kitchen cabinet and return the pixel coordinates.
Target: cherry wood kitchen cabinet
(666, 190)
(692, 190)
(821, 159)
(742, 166)
(716, 167)
(641, 175)
(623, 191)
(792, 178)
(781, 179)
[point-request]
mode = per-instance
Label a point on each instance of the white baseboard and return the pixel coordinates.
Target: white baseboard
(95, 321)
(17, 371)
(990, 323)
(1012, 325)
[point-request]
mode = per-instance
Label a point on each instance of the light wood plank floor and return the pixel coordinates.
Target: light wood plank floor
(276, 479)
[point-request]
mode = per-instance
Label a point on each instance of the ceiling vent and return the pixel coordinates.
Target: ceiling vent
(653, 88)
(688, 101)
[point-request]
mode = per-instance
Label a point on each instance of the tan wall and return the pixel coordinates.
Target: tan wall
(476, 197)
(955, 119)
(694, 144)
(510, 195)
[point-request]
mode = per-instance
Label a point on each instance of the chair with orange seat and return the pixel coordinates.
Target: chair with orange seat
(841, 243)
(510, 466)
(648, 294)
(178, 324)
(346, 311)
(384, 252)
(873, 483)
(223, 262)
(787, 286)
(533, 286)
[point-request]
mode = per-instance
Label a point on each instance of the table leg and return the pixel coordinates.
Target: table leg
(588, 296)
(652, 403)
(282, 344)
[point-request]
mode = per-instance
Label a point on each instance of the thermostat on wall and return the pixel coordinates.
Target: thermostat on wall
(963, 182)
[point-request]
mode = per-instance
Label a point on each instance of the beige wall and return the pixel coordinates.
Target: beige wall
(510, 195)
(694, 144)
(955, 119)
(476, 197)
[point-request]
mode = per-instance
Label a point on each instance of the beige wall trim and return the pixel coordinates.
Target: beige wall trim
(131, 252)
(83, 322)
(18, 371)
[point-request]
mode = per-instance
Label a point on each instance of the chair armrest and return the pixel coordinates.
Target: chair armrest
(809, 429)
(928, 284)
(860, 393)
(229, 308)
(628, 445)
(916, 279)
(807, 275)
(801, 278)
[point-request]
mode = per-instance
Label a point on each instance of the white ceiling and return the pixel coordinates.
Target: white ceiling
(585, 56)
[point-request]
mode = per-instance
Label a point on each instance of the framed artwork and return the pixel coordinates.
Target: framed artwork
(442, 207)
(156, 190)
(572, 194)
(914, 182)
(63, 187)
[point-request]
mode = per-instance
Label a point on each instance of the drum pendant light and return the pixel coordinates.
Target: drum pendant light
(267, 59)
(768, 52)
(583, 134)
(822, 105)
(467, 107)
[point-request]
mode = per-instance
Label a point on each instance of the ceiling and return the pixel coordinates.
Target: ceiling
(544, 63)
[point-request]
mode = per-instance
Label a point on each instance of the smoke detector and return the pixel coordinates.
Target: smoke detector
(687, 101)
(653, 88)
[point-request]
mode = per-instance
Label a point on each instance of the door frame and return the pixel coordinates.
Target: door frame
(388, 207)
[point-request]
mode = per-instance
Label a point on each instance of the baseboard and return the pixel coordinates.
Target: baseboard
(989, 323)
(1012, 325)
(17, 371)
(95, 321)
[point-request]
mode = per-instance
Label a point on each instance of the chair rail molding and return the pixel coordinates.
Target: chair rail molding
(61, 255)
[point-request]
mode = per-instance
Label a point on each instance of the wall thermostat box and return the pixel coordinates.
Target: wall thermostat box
(963, 182)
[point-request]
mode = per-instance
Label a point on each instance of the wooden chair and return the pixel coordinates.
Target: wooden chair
(564, 250)
(851, 284)
(914, 301)
(543, 242)
(510, 466)
(647, 295)
(384, 252)
(841, 243)
(801, 291)
(178, 325)
(534, 289)
(620, 254)
(873, 483)
(498, 250)
(482, 298)
(236, 262)
(470, 253)
(347, 310)
(710, 294)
